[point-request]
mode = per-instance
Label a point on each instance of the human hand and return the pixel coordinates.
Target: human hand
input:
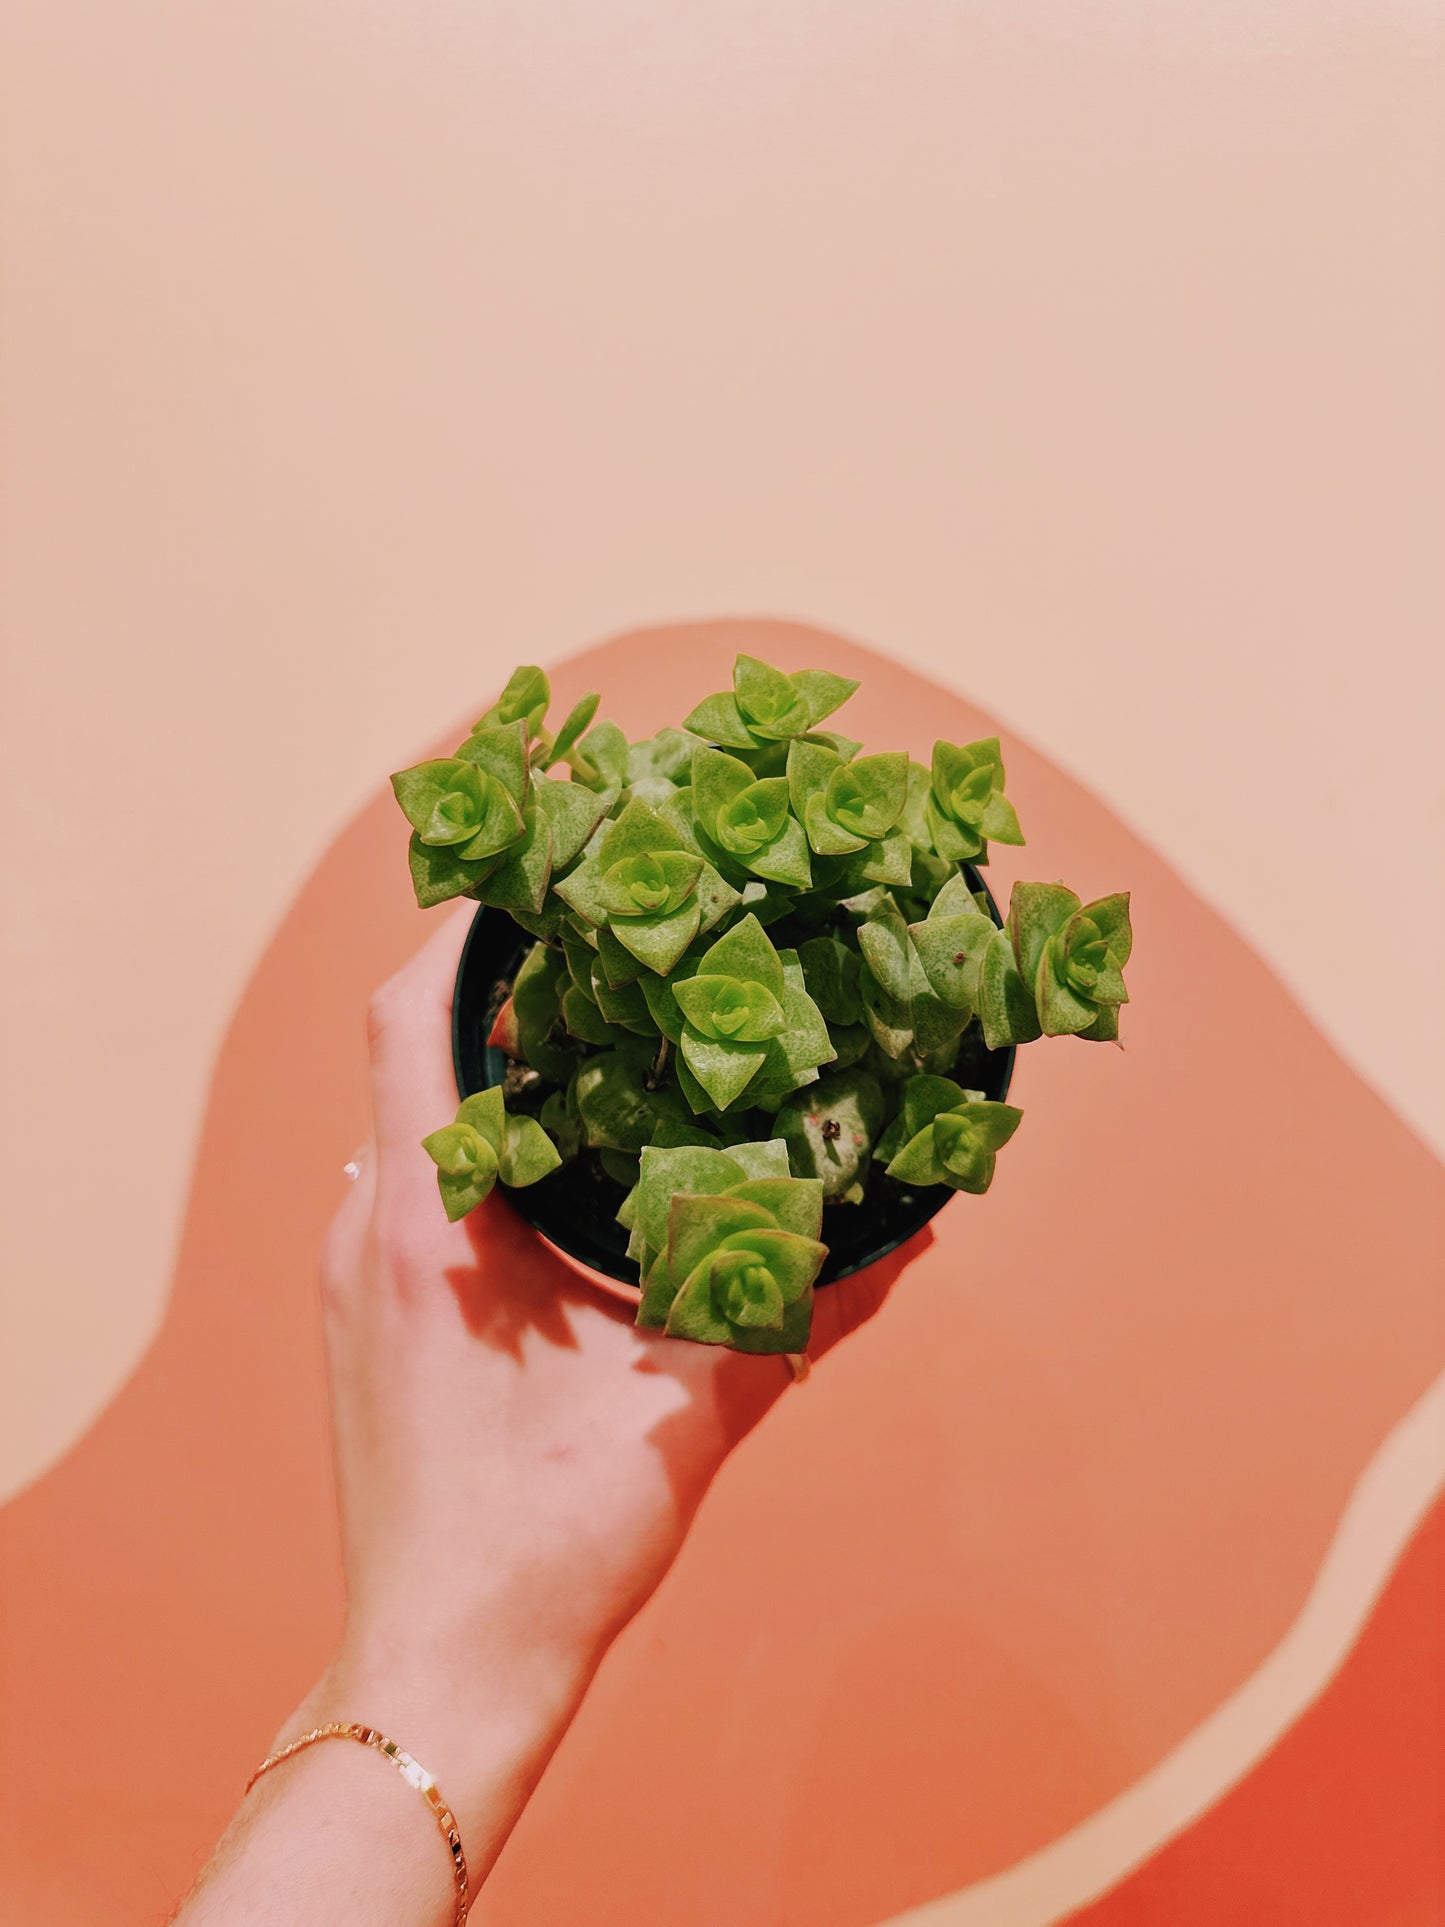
(517, 1464)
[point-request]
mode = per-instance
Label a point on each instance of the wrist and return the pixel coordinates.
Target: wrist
(482, 1724)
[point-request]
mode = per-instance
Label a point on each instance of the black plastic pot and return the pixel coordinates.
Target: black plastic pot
(575, 1208)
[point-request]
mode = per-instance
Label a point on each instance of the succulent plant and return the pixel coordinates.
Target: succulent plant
(959, 805)
(1057, 970)
(486, 823)
(944, 1134)
(729, 1256)
(764, 986)
(766, 706)
(483, 1144)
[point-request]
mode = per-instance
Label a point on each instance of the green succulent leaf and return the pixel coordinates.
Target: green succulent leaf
(585, 1021)
(729, 1010)
(1111, 915)
(667, 756)
(785, 859)
(763, 1157)
(946, 1135)
(966, 1142)
(888, 1017)
(771, 705)
(572, 813)
(459, 1152)
(1035, 912)
(638, 831)
(613, 1101)
(560, 1125)
(484, 1143)
(524, 700)
(520, 879)
(965, 804)
(660, 996)
(669, 1172)
(917, 1161)
(717, 1070)
(913, 817)
(885, 943)
(794, 1204)
(1006, 1007)
(1105, 1027)
(823, 692)
(527, 1153)
(699, 1223)
(678, 813)
(954, 897)
(830, 1130)
(581, 891)
(501, 751)
(649, 884)
(1071, 955)
(752, 1291)
(746, 821)
(641, 889)
(717, 719)
(439, 874)
(716, 898)
(850, 1042)
(673, 1131)
(767, 706)
(603, 762)
(619, 966)
(810, 766)
(830, 971)
(746, 953)
(724, 1070)
(753, 818)
(620, 1166)
(866, 795)
(925, 1098)
(566, 744)
(537, 992)
(623, 1004)
(951, 950)
(736, 1271)
(658, 942)
(889, 861)
(1080, 975)
(451, 803)
(662, 1177)
(936, 1024)
(826, 836)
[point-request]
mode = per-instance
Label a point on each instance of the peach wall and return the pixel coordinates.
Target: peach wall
(1015, 1587)
(1087, 361)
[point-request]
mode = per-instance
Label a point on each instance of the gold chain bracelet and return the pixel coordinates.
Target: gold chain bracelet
(412, 1771)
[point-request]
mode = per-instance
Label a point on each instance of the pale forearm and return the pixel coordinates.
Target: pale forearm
(336, 1834)
(333, 1836)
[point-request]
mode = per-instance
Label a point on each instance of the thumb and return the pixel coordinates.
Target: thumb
(409, 1032)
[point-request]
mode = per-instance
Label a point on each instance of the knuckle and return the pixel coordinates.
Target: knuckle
(395, 1254)
(382, 1010)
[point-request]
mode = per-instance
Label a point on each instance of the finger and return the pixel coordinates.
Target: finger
(413, 1085)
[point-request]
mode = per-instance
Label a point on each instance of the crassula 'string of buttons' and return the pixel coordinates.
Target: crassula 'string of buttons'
(759, 979)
